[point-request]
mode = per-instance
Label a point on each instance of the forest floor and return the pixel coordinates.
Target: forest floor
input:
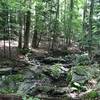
(48, 76)
(14, 52)
(13, 46)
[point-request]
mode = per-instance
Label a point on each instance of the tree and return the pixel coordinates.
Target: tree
(90, 28)
(84, 16)
(56, 26)
(39, 23)
(70, 30)
(20, 31)
(35, 35)
(27, 27)
(20, 19)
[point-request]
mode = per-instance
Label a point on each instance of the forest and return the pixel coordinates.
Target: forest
(49, 49)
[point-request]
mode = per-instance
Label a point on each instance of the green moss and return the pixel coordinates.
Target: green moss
(92, 94)
(16, 78)
(30, 98)
(7, 90)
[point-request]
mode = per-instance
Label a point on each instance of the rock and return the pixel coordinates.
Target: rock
(73, 96)
(34, 62)
(56, 72)
(51, 60)
(97, 57)
(27, 87)
(22, 63)
(64, 97)
(10, 97)
(68, 65)
(37, 53)
(34, 87)
(83, 59)
(7, 71)
(28, 74)
(89, 95)
(5, 63)
(56, 92)
(83, 74)
(79, 78)
(1, 84)
(80, 74)
(33, 82)
(64, 69)
(9, 84)
(13, 85)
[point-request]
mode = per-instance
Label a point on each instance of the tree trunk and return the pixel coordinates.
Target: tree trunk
(27, 30)
(4, 45)
(84, 16)
(9, 32)
(35, 35)
(35, 38)
(70, 30)
(20, 32)
(65, 25)
(90, 28)
(54, 40)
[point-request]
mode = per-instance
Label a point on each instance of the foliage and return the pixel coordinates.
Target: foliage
(17, 78)
(82, 59)
(55, 70)
(82, 74)
(78, 87)
(23, 51)
(91, 95)
(30, 98)
(55, 24)
(7, 90)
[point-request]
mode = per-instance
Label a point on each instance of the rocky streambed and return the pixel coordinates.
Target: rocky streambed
(50, 78)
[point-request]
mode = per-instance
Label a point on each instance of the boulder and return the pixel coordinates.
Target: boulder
(52, 60)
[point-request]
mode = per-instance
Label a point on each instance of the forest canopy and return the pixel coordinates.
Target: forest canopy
(59, 22)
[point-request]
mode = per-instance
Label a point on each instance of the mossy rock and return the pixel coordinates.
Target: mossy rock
(82, 74)
(90, 95)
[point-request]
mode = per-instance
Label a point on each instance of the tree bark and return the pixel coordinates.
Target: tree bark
(20, 32)
(84, 16)
(70, 30)
(54, 40)
(27, 30)
(35, 35)
(34, 40)
(90, 28)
